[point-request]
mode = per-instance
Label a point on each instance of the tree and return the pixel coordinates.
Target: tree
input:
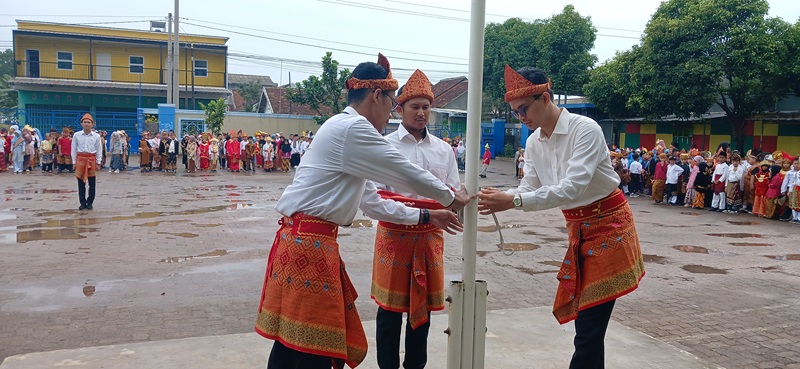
(794, 57)
(559, 45)
(322, 92)
(251, 92)
(609, 86)
(215, 115)
(565, 42)
(696, 53)
(8, 96)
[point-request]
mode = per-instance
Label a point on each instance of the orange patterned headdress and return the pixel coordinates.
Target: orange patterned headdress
(417, 86)
(87, 116)
(518, 86)
(388, 84)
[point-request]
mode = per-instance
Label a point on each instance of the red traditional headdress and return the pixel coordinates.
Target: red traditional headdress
(388, 84)
(518, 86)
(417, 86)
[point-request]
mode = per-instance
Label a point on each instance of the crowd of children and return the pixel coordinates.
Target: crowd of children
(766, 185)
(234, 152)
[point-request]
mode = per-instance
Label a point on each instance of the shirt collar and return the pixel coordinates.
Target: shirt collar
(562, 125)
(402, 132)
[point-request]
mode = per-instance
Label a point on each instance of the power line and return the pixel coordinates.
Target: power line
(82, 16)
(323, 40)
(427, 15)
(321, 47)
(498, 15)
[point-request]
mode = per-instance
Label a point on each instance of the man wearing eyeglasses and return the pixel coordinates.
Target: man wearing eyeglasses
(567, 166)
(308, 303)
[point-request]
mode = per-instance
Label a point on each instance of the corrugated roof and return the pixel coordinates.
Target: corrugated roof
(239, 79)
(447, 90)
(16, 81)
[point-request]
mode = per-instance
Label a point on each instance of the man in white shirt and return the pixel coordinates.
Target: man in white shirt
(567, 166)
(307, 304)
(297, 150)
(674, 172)
(304, 145)
(401, 249)
(87, 154)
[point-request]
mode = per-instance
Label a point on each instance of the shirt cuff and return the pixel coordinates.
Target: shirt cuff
(411, 216)
(447, 198)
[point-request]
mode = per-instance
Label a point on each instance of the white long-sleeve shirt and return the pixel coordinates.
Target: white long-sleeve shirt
(674, 172)
(635, 168)
(430, 153)
(789, 181)
(87, 143)
(569, 169)
(331, 180)
(721, 169)
(734, 174)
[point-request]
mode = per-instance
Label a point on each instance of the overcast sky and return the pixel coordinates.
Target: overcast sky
(412, 34)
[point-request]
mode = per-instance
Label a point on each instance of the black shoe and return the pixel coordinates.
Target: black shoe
(712, 209)
(89, 207)
(82, 207)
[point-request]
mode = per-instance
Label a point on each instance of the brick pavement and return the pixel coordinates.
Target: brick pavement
(171, 256)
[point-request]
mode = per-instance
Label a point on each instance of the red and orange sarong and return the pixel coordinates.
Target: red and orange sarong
(604, 259)
(86, 166)
(308, 301)
(408, 265)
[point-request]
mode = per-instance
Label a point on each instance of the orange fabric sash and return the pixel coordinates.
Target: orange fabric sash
(308, 301)
(408, 265)
(604, 259)
(86, 166)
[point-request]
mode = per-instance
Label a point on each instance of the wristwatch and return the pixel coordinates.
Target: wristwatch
(518, 201)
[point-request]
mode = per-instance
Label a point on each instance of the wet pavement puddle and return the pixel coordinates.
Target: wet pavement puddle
(181, 234)
(517, 246)
(654, 259)
(552, 263)
(743, 222)
(209, 225)
(361, 223)
(751, 244)
(788, 257)
(72, 233)
(483, 253)
(493, 228)
(735, 235)
(702, 250)
(702, 269)
(208, 255)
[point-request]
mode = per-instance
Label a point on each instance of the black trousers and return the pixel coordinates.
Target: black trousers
(590, 331)
(635, 184)
(295, 160)
(282, 357)
(388, 326)
(82, 191)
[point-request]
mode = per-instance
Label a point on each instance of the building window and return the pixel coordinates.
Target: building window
(201, 68)
(64, 60)
(137, 64)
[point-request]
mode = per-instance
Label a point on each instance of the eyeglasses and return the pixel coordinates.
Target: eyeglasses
(522, 110)
(394, 102)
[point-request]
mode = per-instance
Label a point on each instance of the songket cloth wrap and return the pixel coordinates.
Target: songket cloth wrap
(733, 194)
(3, 161)
(86, 166)
(604, 259)
(794, 199)
(308, 301)
(658, 189)
(699, 200)
(718, 187)
(408, 265)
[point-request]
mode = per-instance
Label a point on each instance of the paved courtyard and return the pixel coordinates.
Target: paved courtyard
(167, 256)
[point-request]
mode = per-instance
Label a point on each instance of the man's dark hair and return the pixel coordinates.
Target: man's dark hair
(366, 70)
(537, 77)
(635, 156)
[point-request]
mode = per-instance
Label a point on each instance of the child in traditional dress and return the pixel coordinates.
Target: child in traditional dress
(720, 170)
(172, 153)
(145, 162)
(204, 150)
(749, 185)
(773, 192)
(155, 142)
(191, 154)
(6, 149)
(761, 186)
(674, 171)
(788, 183)
(47, 153)
(267, 152)
(117, 147)
(694, 169)
(250, 155)
(734, 185)
(793, 190)
(660, 179)
(65, 151)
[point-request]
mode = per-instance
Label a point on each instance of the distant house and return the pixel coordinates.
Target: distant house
(450, 106)
(273, 101)
(237, 103)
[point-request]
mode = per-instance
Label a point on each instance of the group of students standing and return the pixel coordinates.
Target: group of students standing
(27, 148)
(765, 185)
(235, 151)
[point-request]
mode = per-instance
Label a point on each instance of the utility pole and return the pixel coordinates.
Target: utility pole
(168, 69)
(176, 58)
